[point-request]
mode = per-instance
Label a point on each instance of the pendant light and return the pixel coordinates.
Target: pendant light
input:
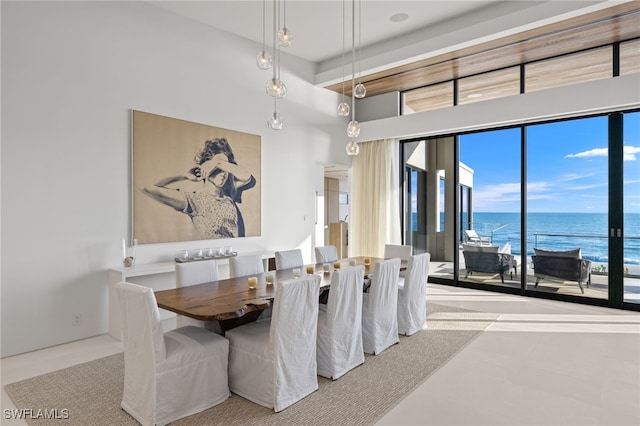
(353, 148)
(284, 35)
(264, 58)
(343, 107)
(360, 90)
(353, 128)
(275, 120)
(276, 87)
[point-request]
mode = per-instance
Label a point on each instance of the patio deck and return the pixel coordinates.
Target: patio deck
(599, 288)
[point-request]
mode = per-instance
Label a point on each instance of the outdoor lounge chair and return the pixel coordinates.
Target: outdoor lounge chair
(489, 260)
(567, 265)
(474, 238)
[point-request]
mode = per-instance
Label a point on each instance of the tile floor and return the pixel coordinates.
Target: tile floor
(541, 363)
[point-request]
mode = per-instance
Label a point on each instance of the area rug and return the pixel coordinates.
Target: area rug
(90, 393)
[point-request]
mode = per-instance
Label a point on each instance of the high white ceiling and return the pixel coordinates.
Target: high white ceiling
(317, 25)
(432, 26)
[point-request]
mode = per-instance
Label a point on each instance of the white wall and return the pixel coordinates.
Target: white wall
(71, 72)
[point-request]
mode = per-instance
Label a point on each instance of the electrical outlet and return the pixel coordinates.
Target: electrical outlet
(76, 319)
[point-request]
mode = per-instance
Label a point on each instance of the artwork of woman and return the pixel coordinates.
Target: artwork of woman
(208, 193)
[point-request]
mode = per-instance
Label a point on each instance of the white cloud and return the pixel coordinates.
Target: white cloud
(574, 176)
(628, 153)
(592, 186)
(596, 152)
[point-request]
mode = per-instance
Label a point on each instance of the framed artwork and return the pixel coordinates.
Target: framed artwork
(192, 181)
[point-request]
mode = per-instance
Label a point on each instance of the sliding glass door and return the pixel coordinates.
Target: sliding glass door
(549, 210)
(489, 175)
(567, 207)
(631, 207)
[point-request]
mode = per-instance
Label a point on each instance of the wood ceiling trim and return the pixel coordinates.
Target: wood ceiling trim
(618, 23)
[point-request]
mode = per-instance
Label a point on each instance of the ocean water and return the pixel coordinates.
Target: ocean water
(561, 231)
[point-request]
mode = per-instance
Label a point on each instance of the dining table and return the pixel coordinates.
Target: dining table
(231, 302)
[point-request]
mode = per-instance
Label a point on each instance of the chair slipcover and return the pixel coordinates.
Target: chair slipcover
(392, 251)
(326, 254)
(412, 297)
(289, 259)
(250, 264)
(172, 375)
(402, 252)
(241, 266)
(273, 362)
(192, 273)
(340, 325)
(380, 308)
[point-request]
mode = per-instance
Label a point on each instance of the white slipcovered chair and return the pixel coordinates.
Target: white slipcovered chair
(380, 308)
(412, 297)
(273, 362)
(326, 254)
(172, 375)
(249, 264)
(193, 273)
(340, 324)
(392, 251)
(288, 259)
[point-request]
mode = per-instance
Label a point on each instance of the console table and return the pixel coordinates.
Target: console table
(122, 273)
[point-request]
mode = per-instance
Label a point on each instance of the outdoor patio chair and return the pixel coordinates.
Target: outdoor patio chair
(567, 265)
(474, 238)
(489, 260)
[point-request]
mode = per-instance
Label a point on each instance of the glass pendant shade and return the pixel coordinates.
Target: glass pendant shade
(276, 88)
(343, 109)
(275, 121)
(360, 91)
(353, 148)
(353, 129)
(284, 37)
(263, 60)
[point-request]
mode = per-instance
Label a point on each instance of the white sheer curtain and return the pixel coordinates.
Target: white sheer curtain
(375, 209)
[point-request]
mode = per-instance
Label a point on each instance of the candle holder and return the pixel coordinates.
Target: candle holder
(129, 254)
(269, 278)
(252, 282)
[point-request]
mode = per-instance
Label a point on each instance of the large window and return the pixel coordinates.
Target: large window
(567, 199)
(428, 98)
(630, 57)
(631, 206)
(570, 69)
(570, 231)
(490, 85)
(490, 168)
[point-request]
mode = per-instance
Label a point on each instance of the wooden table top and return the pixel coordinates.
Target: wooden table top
(231, 298)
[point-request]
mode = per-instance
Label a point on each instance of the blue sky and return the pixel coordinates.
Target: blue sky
(567, 167)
